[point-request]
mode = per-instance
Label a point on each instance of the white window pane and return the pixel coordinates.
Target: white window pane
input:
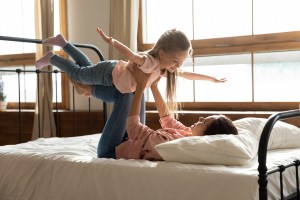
(185, 88)
(56, 22)
(162, 88)
(237, 70)
(219, 18)
(276, 76)
(160, 16)
(17, 16)
(276, 16)
(28, 85)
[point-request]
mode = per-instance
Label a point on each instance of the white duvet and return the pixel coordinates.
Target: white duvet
(68, 169)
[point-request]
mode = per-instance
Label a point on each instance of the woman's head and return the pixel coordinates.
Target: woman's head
(214, 125)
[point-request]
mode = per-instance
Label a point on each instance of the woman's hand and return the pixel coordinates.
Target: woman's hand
(155, 83)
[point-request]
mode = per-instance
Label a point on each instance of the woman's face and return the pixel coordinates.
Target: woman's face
(201, 125)
(173, 60)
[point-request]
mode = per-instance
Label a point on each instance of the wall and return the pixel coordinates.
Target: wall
(83, 17)
(17, 127)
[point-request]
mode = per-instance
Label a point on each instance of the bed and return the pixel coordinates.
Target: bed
(264, 166)
(68, 168)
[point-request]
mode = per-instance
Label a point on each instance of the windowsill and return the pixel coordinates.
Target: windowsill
(222, 112)
(244, 113)
(54, 110)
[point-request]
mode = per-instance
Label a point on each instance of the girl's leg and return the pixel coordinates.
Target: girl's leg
(100, 74)
(114, 129)
(80, 58)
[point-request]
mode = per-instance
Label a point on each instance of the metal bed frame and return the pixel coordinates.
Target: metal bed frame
(262, 158)
(263, 143)
(55, 72)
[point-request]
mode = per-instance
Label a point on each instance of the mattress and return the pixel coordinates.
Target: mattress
(68, 168)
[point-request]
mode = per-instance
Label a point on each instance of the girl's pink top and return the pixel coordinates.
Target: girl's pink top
(142, 139)
(123, 79)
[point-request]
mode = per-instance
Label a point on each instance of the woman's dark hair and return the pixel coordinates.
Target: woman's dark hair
(221, 125)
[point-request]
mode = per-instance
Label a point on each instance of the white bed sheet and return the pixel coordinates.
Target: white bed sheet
(68, 169)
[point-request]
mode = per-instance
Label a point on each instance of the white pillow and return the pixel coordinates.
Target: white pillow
(283, 135)
(214, 149)
(229, 149)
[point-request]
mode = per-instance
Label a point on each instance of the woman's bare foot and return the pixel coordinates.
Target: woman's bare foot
(81, 89)
(58, 40)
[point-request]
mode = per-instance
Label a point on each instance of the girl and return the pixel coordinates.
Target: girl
(167, 55)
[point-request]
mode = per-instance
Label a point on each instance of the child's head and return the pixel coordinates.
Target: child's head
(214, 125)
(172, 48)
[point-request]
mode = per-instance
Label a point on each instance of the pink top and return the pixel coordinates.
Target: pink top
(124, 81)
(142, 139)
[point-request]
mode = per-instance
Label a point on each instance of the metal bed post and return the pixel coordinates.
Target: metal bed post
(56, 104)
(20, 113)
(74, 114)
(262, 149)
(38, 101)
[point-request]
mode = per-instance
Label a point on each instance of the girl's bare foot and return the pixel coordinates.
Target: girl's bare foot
(58, 40)
(44, 61)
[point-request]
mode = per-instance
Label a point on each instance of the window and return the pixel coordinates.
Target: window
(18, 55)
(253, 43)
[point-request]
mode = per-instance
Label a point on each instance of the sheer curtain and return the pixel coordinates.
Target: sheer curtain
(124, 15)
(44, 123)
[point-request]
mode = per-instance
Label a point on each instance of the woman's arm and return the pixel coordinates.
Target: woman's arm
(161, 106)
(141, 79)
(196, 76)
(123, 49)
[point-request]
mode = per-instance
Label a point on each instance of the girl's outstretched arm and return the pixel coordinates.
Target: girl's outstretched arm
(123, 49)
(197, 76)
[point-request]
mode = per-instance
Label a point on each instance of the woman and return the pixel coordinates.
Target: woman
(142, 139)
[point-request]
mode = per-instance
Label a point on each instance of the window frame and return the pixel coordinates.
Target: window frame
(284, 41)
(12, 60)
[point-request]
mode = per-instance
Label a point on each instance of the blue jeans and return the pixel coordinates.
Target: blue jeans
(84, 71)
(114, 131)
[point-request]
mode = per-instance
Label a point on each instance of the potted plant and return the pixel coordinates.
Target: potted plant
(3, 102)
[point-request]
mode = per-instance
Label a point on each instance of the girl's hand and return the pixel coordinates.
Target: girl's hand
(221, 80)
(108, 40)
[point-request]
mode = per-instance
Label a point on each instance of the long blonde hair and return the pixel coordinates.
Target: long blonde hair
(171, 41)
